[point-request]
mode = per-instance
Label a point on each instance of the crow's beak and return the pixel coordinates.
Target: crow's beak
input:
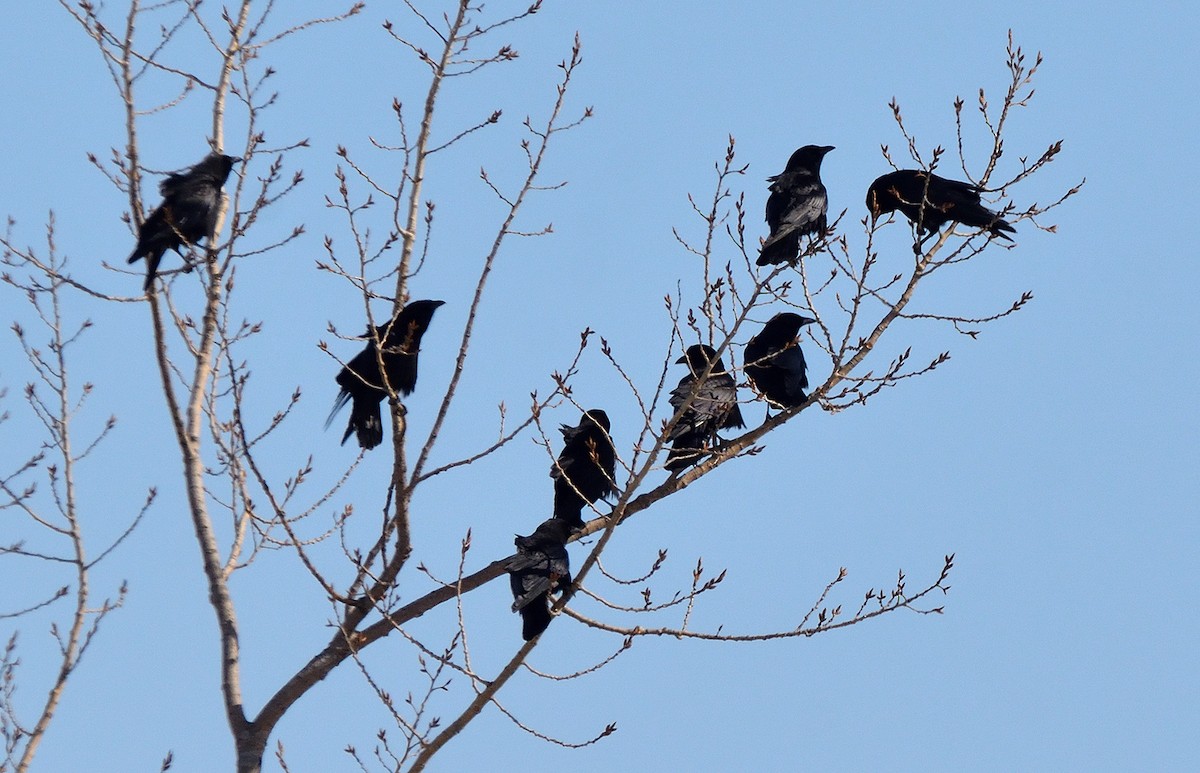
(681, 360)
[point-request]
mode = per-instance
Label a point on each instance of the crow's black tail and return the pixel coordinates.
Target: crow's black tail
(979, 216)
(339, 403)
(153, 258)
(151, 271)
(783, 250)
(535, 618)
(568, 505)
(999, 227)
(366, 423)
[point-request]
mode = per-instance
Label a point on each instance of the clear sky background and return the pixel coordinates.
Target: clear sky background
(1056, 455)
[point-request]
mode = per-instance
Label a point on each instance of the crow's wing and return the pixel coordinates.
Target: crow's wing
(174, 184)
(798, 207)
(792, 367)
(715, 405)
(528, 588)
(717, 397)
(952, 191)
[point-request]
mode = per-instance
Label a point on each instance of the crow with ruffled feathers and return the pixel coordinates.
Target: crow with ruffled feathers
(540, 568)
(944, 200)
(362, 384)
(797, 205)
(775, 363)
(187, 214)
(713, 408)
(584, 470)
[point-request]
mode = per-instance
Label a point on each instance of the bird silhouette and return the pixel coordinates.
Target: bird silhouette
(187, 214)
(363, 385)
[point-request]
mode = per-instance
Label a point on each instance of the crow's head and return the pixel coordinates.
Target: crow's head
(216, 166)
(597, 417)
(698, 356)
(808, 157)
(882, 197)
(785, 326)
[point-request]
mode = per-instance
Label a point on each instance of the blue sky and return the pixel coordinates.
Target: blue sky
(1056, 455)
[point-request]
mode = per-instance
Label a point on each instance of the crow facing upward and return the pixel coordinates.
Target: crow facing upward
(584, 470)
(797, 205)
(540, 568)
(187, 214)
(363, 385)
(775, 363)
(713, 408)
(945, 201)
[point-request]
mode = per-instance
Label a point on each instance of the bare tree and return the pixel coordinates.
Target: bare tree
(240, 506)
(51, 520)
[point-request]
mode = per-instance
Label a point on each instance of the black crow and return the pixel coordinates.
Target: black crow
(713, 408)
(945, 201)
(188, 212)
(585, 468)
(540, 568)
(774, 362)
(796, 206)
(361, 381)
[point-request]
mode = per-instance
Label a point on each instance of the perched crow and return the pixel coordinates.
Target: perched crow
(361, 381)
(713, 408)
(540, 568)
(945, 201)
(775, 363)
(585, 468)
(188, 212)
(796, 206)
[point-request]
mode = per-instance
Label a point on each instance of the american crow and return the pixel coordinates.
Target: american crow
(540, 568)
(188, 212)
(945, 201)
(713, 408)
(796, 206)
(585, 468)
(361, 381)
(774, 362)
